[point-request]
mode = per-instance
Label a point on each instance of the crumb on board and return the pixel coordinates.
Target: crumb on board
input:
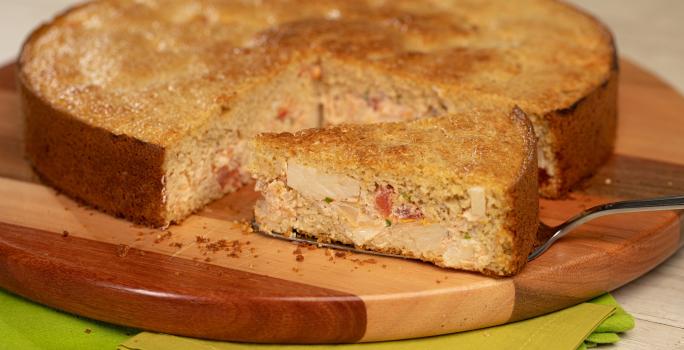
(178, 245)
(608, 181)
(65, 233)
(340, 254)
(162, 237)
(306, 245)
(87, 331)
(300, 257)
(362, 262)
(234, 248)
(297, 251)
(246, 227)
(216, 246)
(122, 250)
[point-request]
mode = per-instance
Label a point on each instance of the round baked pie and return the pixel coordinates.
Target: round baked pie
(146, 109)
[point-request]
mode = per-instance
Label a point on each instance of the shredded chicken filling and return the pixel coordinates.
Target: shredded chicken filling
(384, 218)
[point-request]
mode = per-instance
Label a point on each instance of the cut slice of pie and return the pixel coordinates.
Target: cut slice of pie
(459, 191)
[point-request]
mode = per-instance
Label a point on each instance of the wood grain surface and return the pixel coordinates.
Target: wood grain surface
(211, 277)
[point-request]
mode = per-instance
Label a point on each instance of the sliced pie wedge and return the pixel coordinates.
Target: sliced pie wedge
(459, 191)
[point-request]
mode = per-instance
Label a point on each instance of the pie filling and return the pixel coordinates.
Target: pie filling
(377, 216)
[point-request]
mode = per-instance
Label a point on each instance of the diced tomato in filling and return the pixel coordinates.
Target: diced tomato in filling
(383, 199)
(228, 178)
(407, 211)
(374, 103)
(282, 113)
(313, 72)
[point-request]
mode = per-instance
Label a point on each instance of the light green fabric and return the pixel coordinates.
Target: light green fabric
(563, 330)
(603, 338)
(25, 325)
(620, 322)
(606, 332)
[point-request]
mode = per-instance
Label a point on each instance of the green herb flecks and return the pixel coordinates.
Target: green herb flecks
(467, 236)
(388, 223)
(328, 200)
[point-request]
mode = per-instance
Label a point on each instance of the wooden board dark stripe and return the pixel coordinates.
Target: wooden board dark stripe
(7, 77)
(631, 177)
(154, 291)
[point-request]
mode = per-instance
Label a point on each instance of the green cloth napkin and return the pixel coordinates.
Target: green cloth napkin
(26, 325)
(607, 332)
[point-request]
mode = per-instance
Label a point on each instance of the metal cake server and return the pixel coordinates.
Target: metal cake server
(546, 234)
(549, 235)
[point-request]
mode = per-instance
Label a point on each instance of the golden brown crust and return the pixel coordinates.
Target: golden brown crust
(226, 46)
(523, 219)
(476, 149)
(583, 133)
(117, 174)
(584, 137)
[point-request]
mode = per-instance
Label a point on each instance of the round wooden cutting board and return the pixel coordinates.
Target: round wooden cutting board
(212, 278)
